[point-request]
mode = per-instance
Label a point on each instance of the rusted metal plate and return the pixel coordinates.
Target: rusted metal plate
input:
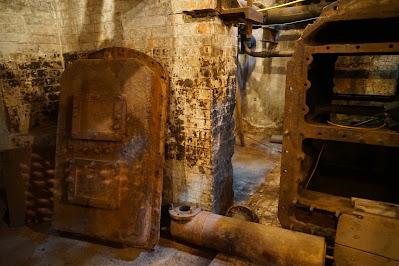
(88, 123)
(29, 178)
(371, 236)
(233, 11)
(376, 207)
(245, 13)
(346, 256)
(345, 28)
(110, 147)
(94, 183)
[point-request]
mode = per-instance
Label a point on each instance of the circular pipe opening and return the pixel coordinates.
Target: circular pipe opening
(184, 208)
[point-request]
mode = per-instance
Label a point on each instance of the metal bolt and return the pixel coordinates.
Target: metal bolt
(25, 175)
(300, 157)
(36, 156)
(50, 172)
(23, 166)
(38, 174)
(107, 182)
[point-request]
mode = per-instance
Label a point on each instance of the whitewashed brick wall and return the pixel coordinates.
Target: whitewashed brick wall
(38, 38)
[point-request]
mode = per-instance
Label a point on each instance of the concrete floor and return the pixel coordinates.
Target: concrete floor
(25, 246)
(256, 184)
(257, 178)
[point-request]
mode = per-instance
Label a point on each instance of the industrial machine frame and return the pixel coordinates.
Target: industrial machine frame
(345, 28)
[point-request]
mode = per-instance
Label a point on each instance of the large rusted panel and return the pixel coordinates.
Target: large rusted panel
(367, 239)
(110, 142)
(339, 44)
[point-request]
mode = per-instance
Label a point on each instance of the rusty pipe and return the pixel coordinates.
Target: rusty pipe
(261, 244)
(266, 53)
(283, 15)
(291, 14)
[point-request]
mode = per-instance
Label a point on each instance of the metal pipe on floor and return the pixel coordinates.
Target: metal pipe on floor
(266, 245)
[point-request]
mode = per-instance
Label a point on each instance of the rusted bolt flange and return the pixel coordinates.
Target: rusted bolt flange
(183, 212)
(242, 212)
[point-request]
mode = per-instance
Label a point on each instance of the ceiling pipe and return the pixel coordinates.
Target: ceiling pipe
(281, 16)
(292, 14)
(265, 53)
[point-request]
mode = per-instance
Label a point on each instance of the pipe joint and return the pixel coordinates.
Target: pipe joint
(183, 212)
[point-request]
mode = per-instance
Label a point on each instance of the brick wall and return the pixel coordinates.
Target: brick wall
(202, 104)
(199, 54)
(368, 75)
(30, 65)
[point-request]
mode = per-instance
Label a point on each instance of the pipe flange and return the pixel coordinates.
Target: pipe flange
(242, 212)
(183, 212)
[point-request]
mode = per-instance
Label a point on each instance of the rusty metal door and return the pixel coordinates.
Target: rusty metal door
(110, 142)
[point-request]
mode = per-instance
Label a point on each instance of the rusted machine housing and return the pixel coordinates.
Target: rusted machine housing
(28, 173)
(325, 165)
(110, 147)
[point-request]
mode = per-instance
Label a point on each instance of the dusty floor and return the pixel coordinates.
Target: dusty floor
(24, 246)
(257, 178)
(256, 184)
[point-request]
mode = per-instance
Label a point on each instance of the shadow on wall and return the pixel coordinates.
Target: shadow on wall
(262, 86)
(101, 24)
(5, 142)
(245, 67)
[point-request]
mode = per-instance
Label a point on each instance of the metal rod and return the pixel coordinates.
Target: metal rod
(266, 53)
(279, 6)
